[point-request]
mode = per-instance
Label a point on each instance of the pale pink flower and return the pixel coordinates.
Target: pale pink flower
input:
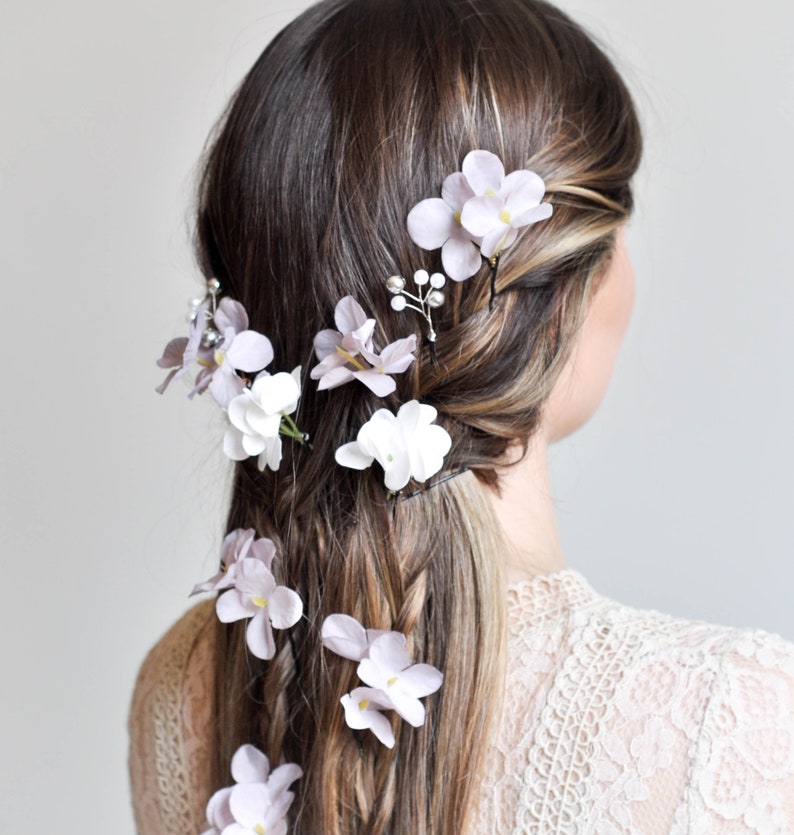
(255, 595)
(407, 445)
(345, 636)
(260, 797)
(363, 711)
(348, 353)
(181, 353)
(389, 670)
(240, 349)
(236, 545)
(502, 204)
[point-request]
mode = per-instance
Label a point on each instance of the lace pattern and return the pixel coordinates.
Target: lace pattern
(615, 722)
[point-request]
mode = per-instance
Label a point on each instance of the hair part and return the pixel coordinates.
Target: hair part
(353, 114)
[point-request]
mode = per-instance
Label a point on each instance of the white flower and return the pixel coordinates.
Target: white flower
(255, 595)
(362, 710)
(407, 445)
(256, 418)
(503, 204)
(389, 670)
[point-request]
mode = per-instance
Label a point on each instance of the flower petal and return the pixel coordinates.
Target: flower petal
(276, 393)
(230, 314)
(460, 257)
(218, 812)
(397, 474)
(233, 444)
(345, 636)
(250, 765)
(484, 171)
(284, 607)
(225, 385)
(282, 778)
(173, 353)
(349, 315)
(377, 382)
(351, 455)
(495, 241)
(271, 457)
(431, 222)
(455, 191)
(335, 377)
(250, 351)
(259, 636)
(231, 606)
(420, 680)
(541, 212)
(481, 215)
(522, 187)
(325, 343)
(249, 803)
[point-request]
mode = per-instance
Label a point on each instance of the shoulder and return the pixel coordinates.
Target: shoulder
(169, 722)
(726, 697)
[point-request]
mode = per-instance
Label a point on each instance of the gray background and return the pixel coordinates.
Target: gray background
(678, 495)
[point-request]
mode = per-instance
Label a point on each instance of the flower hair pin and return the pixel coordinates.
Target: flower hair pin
(228, 355)
(349, 354)
(479, 214)
(394, 681)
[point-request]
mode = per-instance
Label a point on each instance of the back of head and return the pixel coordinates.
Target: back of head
(354, 113)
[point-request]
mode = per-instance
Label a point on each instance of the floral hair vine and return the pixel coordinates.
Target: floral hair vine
(479, 214)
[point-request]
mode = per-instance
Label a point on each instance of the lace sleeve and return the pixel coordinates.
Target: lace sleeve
(169, 726)
(743, 774)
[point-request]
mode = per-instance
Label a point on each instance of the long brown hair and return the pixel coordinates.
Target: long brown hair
(353, 114)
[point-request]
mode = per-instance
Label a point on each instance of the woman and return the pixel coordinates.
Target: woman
(559, 711)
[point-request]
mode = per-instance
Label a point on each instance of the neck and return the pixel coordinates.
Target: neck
(525, 512)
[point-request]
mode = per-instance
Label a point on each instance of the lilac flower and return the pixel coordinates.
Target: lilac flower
(256, 418)
(502, 204)
(181, 353)
(255, 595)
(259, 796)
(348, 353)
(389, 670)
(407, 445)
(239, 350)
(362, 711)
(237, 545)
(345, 636)
(435, 223)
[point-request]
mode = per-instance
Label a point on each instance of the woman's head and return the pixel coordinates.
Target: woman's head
(356, 112)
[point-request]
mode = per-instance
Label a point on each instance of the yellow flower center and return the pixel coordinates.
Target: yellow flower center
(392, 681)
(350, 358)
(363, 704)
(218, 356)
(489, 192)
(504, 216)
(457, 218)
(259, 829)
(259, 601)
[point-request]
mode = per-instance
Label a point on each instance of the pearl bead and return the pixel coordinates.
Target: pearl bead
(213, 285)
(421, 277)
(395, 284)
(435, 298)
(210, 338)
(437, 280)
(398, 303)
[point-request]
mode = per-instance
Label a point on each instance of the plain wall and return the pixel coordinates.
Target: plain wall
(678, 495)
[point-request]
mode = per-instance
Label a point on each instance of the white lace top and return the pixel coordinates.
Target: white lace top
(615, 721)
